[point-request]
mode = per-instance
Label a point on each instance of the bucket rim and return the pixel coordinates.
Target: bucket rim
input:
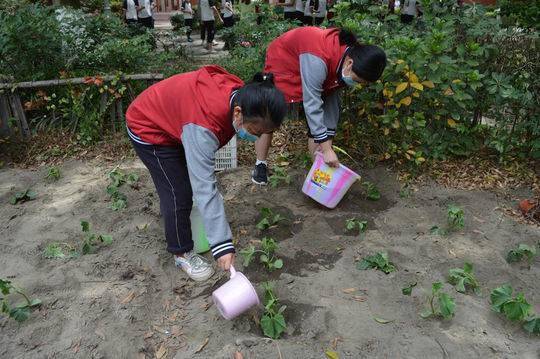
(342, 166)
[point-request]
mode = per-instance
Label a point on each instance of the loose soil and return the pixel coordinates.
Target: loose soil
(129, 301)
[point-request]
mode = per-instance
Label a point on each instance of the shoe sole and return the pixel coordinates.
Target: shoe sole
(203, 277)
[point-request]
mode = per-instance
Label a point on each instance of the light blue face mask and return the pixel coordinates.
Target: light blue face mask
(244, 134)
(348, 80)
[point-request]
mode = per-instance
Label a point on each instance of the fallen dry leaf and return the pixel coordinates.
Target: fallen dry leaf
(76, 346)
(238, 355)
(359, 298)
(349, 290)
(148, 335)
(160, 330)
(141, 356)
(162, 351)
(202, 345)
(335, 342)
(128, 298)
(176, 330)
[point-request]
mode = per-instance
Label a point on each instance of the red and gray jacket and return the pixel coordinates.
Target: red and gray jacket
(192, 109)
(306, 63)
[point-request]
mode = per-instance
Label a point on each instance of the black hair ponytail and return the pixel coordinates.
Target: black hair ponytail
(346, 37)
(264, 78)
(369, 61)
(262, 101)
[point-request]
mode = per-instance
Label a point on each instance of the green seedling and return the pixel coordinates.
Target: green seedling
(53, 174)
(405, 192)
(19, 312)
(305, 160)
(353, 224)
(408, 290)
(522, 251)
(463, 279)
(372, 192)
(514, 308)
(23, 196)
(269, 219)
(118, 179)
(267, 257)
(59, 251)
(532, 324)
(440, 303)
(438, 231)
(272, 321)
(92, 240)
(456, 217)
(377, 261)
(279, 175)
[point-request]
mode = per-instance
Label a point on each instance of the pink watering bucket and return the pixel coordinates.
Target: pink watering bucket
(236, 296)
(328, 185)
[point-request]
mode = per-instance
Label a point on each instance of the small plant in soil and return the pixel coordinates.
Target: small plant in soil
(456, 217)
(438, 231)
(354, 224)
(515, 309)
(23, 196)
(463, 279)
(53, 174)
(269, 219)
(118, 179)
(59, 251)
(408, 289)
(440, 304)
(267, 257)
(521, 252)
(92, 240)
(305, 160)
(19, 312)
(279, 175)
(377, 261)
(272, 321)
(372, 192)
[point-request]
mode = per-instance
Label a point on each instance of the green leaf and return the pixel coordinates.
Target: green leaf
(278, 264)
(106, 239)
(382, 320)
(331, 354)
(532, 325)
(20, 314)
(499, 296)
(35, 303)
(273, 326)
(85, 226)
(247, 254)
(53, 250)
(517, 309)
(446, 305)
(87, 247)
(426, 313)
(263, 224)
(30, 194)
(435, 287)
(263, 258)
(408, 290)
(363, 264)
(5, 286)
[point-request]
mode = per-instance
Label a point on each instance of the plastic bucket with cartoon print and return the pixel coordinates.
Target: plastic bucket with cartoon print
(328, 185)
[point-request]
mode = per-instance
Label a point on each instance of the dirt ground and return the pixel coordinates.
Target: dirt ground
(128, 301)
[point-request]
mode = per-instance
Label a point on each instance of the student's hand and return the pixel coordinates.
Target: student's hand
(329, 156)
(226, 261)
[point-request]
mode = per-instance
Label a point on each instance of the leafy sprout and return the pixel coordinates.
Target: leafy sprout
(522, 251)
(53, 173)
(440, 304)
(377, 261)
(23, 196)
(463, 279)
(19, 312)
(456, 217)
(269, 219)
(272, 321)
(267, 254)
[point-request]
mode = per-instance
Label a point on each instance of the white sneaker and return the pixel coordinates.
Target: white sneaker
(195, 266)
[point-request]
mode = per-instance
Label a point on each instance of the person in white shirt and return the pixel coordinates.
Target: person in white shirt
(299, 6)
(309, 9)
(410, 9)
(130, 8)
(320, 13)
(187, 10)
(145, 14)
(208, 27)
(289, 9)
(227, 13)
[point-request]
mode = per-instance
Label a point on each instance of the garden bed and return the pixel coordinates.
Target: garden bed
(128, 301)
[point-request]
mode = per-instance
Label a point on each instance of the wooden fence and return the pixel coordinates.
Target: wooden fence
(11, 104)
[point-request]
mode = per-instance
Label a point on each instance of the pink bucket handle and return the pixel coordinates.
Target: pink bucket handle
(233, 271)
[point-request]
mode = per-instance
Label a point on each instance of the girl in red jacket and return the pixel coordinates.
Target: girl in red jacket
(310, 65)
(176, 126)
